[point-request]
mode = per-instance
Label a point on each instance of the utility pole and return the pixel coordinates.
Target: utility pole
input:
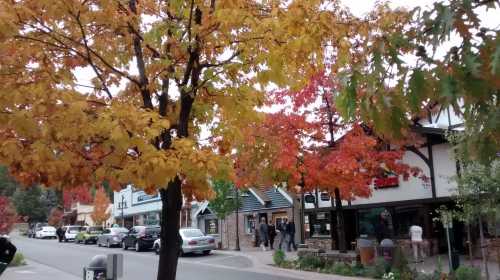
(237, 248)
(121, 206)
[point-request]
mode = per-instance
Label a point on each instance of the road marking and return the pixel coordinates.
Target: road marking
(24, 272)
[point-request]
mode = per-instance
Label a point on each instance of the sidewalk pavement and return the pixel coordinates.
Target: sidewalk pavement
(430, 264)
(34, 270)
(263, 263)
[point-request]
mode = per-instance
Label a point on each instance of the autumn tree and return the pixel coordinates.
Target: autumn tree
(166, 75)
(80, 194)
(100, 214)
(441, 58)
(55, 217)
(8, 215)
(308, 145)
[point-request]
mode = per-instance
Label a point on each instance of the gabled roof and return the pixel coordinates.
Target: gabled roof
(271, 198)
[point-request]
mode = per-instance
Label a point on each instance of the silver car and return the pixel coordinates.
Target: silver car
(193, 241)
(111, 237)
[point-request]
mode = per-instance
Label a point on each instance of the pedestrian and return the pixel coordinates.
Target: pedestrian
(282, 232)
(272, 234)
(263, 233)
(290, 234)
(60, 233)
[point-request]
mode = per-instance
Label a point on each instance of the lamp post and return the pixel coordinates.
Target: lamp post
(121, 206)
(237, 247)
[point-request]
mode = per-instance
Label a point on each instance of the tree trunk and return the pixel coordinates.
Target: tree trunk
(340, 222)
(483, 248)
(170, 239)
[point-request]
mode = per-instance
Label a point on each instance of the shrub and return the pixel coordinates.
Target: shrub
(342, 269)
(18, 260)
(467, 273)
(311, 263)
(279, 257)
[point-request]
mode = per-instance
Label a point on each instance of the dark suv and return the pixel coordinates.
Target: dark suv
(141, 237)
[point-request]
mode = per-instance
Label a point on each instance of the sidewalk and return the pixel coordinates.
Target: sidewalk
(263, 263)
(34, 270)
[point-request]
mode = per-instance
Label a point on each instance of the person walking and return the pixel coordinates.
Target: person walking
(272, 235)
(263, 234)
(282, 231)
(60, 233)
(290, 234)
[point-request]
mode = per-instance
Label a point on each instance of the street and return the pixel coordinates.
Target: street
(69, 259)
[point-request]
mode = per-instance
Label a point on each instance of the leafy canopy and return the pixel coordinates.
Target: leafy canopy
(101, 204)
(163, 72)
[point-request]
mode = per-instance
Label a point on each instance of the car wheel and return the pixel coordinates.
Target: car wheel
(98, 244)
(206, 253)
(85, 242)
(137, 247)
(124, 246)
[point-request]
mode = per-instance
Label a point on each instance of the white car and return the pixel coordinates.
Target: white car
(46, 232)
(193, 241)
(70, 232)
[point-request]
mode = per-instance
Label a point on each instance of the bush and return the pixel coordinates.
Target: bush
(342, 269)
(18, 260)
(400, 263)
(279, 257)
(467, 273)
(311, 263)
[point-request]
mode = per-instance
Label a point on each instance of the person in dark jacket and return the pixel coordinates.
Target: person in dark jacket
(290, 234)
(282, 231)
(272, 234)
(60, 233)
(263, 234)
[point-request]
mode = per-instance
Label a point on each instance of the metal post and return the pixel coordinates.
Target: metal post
(237, 247)
(449, 248)
(121, 206)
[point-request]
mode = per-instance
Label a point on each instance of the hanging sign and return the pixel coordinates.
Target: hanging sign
(386, 182)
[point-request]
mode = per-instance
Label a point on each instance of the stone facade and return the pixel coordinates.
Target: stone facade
(246, 234)
(319, 243)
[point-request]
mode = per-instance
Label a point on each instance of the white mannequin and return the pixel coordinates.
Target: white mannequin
(416, 241)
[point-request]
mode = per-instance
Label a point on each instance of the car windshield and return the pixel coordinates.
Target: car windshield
(119, 230)
(95, 229)
(192, 233)
(155, 230)
(74, 229)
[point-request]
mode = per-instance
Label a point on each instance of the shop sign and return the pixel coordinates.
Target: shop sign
(386, 182)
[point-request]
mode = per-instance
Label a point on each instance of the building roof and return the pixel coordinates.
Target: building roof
(264, 199)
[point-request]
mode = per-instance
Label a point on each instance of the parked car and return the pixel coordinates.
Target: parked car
(33, 228)
(70, 232)
(193, 241)
(141, 237)
(88, 235)
(46, 232)
(112, 237)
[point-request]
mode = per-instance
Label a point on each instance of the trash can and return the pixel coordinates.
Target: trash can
(366, 251)
(96, 270)
(387, 250)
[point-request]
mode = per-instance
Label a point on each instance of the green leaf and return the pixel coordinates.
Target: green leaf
(416, 91)
(347, 99)
(495, 60)
(448, 87)
(472, 65)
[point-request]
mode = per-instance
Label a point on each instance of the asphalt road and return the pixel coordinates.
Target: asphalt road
(70, 258)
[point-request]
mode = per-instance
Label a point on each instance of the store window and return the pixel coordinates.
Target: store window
(249, 224)
(370, 222)
(211, 226)
(404, 219)
(319, 224)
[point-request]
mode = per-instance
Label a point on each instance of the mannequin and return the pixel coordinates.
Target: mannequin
(416, 242)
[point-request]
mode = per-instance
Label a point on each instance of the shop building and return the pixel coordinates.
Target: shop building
(134, 207)
(271, 204)
(396, 204)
